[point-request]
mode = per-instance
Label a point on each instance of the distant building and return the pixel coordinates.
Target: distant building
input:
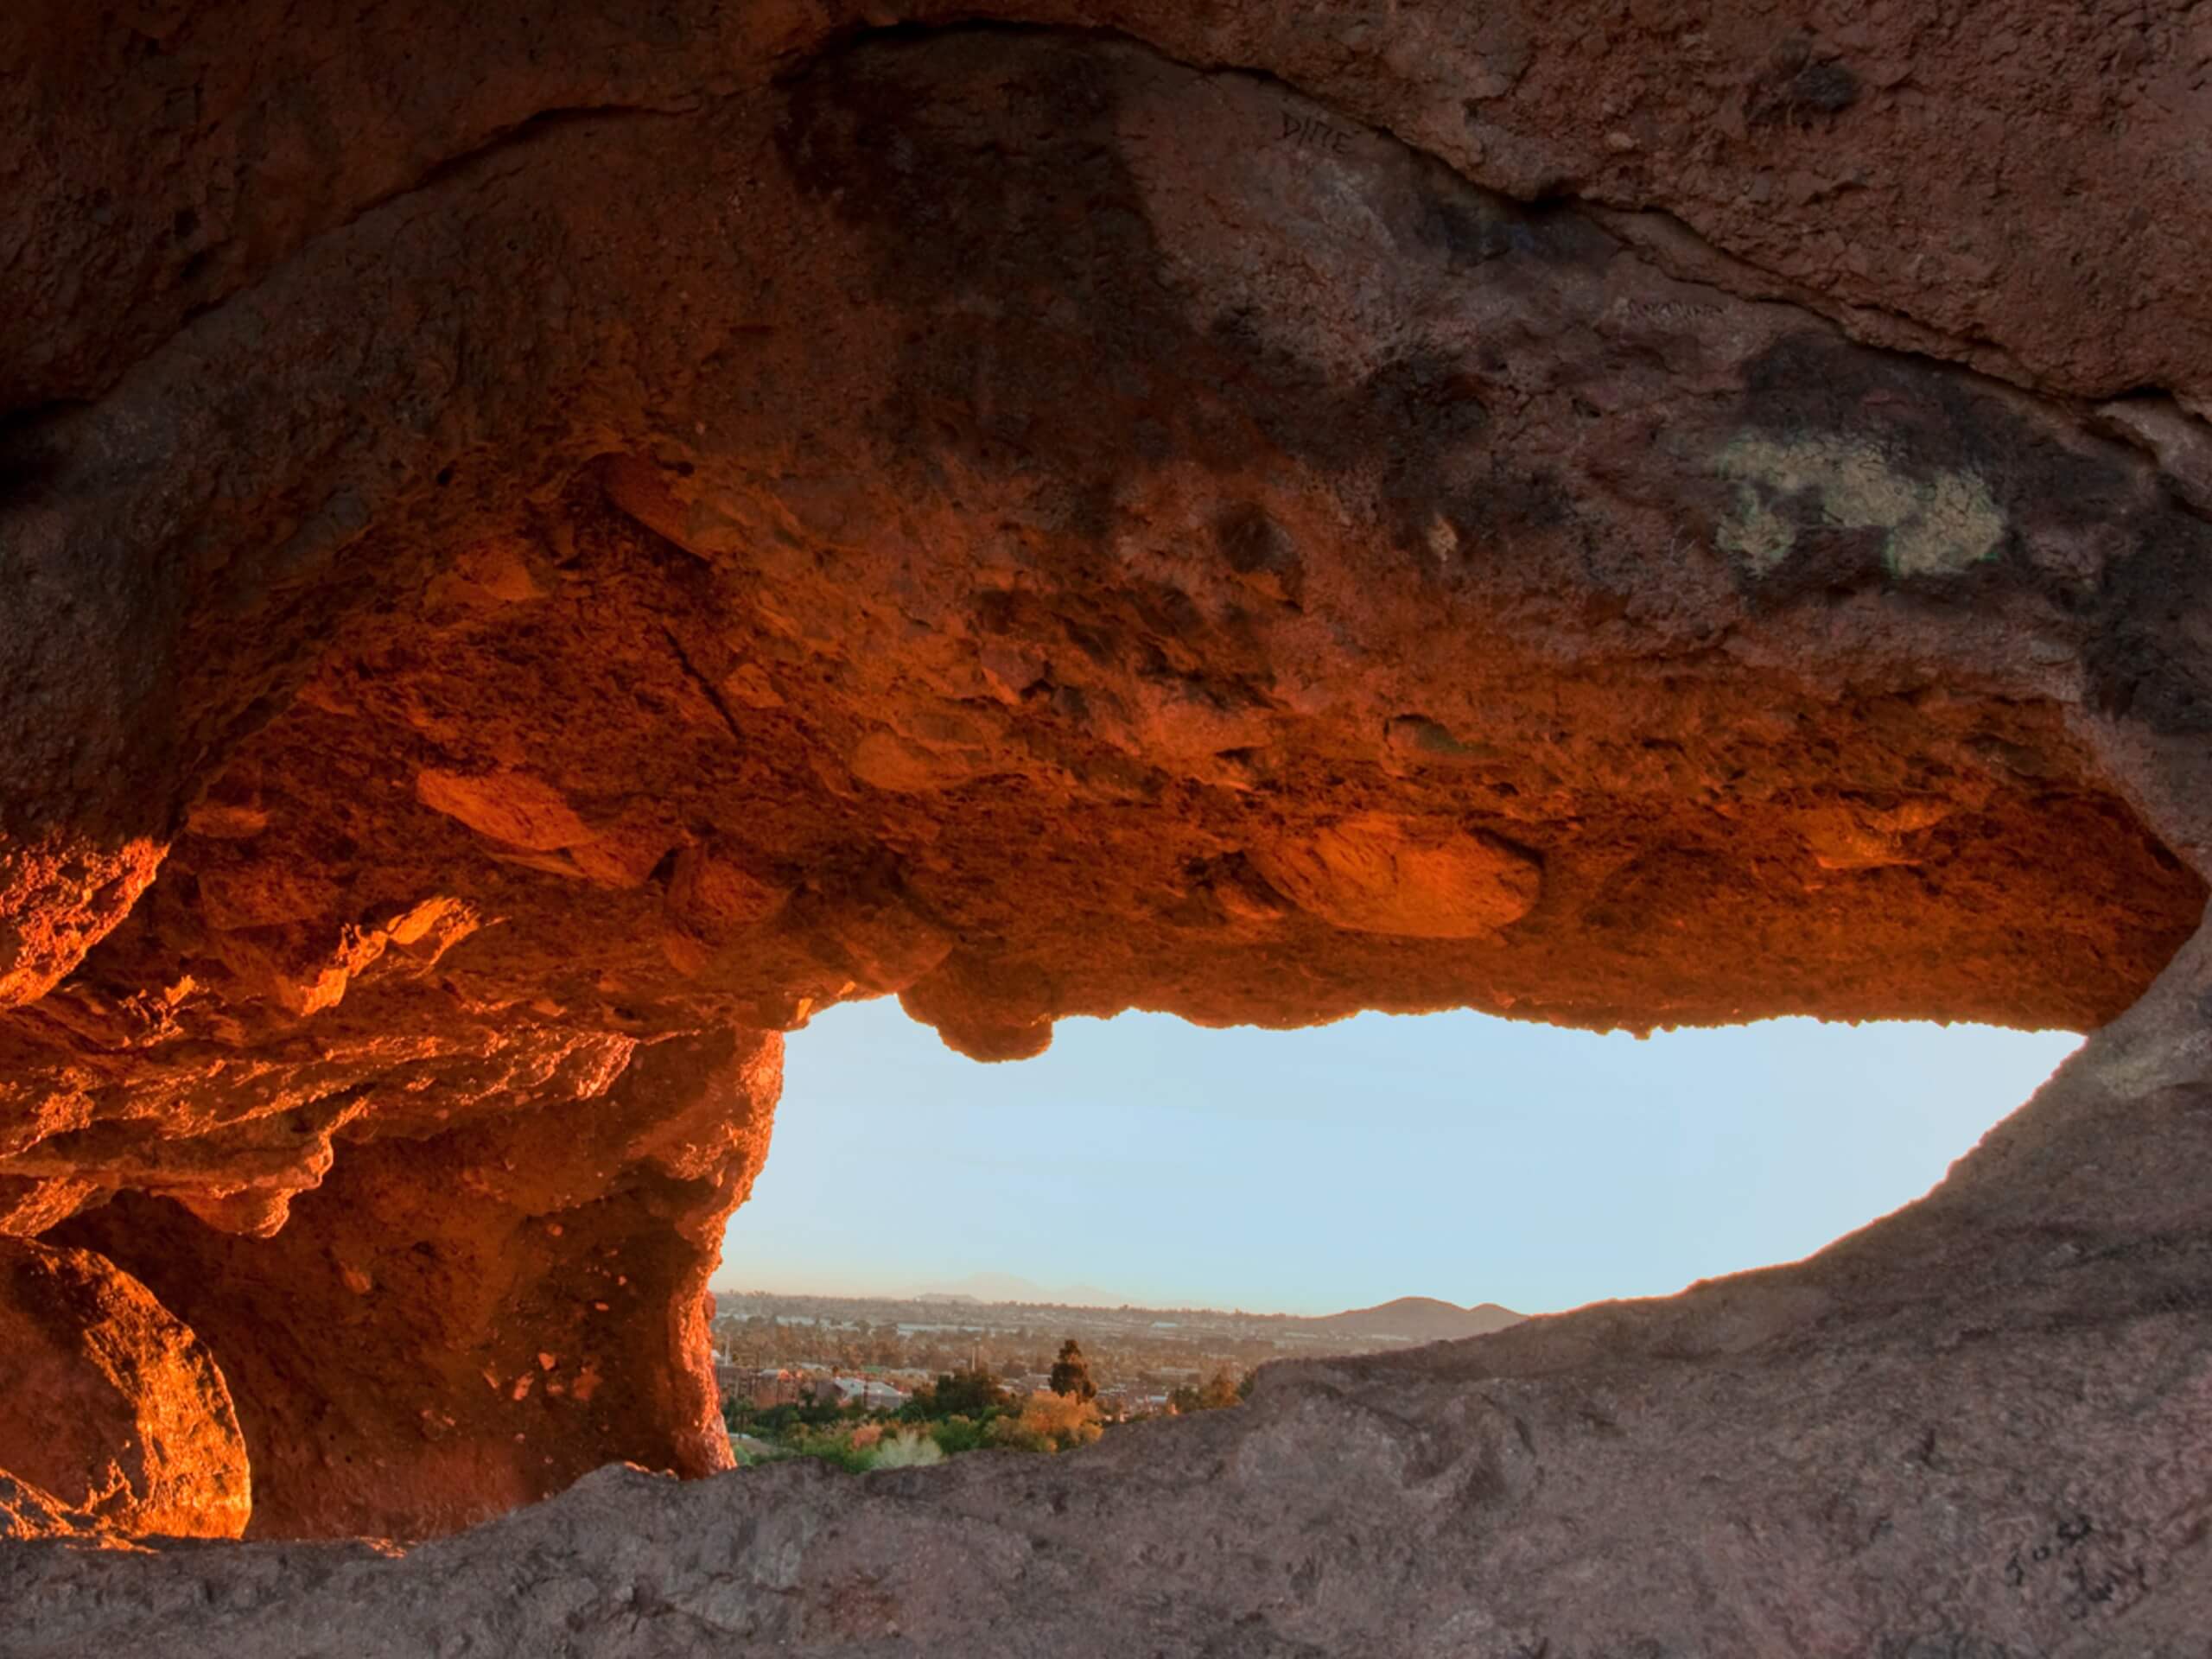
(872, 1393)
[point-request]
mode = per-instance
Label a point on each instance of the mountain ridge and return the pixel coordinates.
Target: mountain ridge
(1422, 1318)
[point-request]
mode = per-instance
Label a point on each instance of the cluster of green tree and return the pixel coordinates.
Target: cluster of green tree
(958, 1394)
(1223, 1388)
(776, 1422)
(963, 1410)
(1071, 1373)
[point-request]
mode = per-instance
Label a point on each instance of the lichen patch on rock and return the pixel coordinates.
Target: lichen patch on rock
(1932, 526)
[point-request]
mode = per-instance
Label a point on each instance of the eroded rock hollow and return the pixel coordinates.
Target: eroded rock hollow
(525, 582)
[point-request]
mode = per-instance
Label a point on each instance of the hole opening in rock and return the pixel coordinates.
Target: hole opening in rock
(1458, 1156)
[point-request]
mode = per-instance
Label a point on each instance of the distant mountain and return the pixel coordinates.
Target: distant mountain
(1417, 1319)
(1409, 1318)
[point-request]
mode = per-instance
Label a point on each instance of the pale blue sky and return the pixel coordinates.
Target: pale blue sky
(1449, 1155)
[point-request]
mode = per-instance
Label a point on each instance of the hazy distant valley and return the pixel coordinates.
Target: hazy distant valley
(1137, 1355)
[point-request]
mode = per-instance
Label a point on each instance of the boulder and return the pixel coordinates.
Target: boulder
(113, 1414)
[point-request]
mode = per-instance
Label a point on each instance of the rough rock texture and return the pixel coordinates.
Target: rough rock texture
(1976, 1429)
(114, 1415)
(455, 1324)
(543, 549)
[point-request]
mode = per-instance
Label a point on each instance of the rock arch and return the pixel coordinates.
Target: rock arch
(1035, 522)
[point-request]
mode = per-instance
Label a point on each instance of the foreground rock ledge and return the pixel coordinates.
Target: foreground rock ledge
(1975, 1429)
(523, 585)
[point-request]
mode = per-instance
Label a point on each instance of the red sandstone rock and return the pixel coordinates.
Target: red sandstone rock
(29, 1511)
(521, 578)
(453, 1324)
(1416, 879)
(114, 1415)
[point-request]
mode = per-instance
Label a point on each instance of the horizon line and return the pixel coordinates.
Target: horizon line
(1047, 1300)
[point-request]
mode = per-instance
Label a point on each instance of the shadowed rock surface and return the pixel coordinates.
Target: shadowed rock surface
(542, 551)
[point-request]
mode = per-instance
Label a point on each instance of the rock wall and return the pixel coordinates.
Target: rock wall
(542, 551)
(454, 1324)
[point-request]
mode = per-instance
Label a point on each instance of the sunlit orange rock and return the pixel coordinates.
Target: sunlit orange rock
(113, 1414)
(1387, 873)
(29, 1511)
(57, 898)
(521, 584)
(453, 1323)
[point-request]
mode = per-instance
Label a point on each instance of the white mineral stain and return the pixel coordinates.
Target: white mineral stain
(1934, 525)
